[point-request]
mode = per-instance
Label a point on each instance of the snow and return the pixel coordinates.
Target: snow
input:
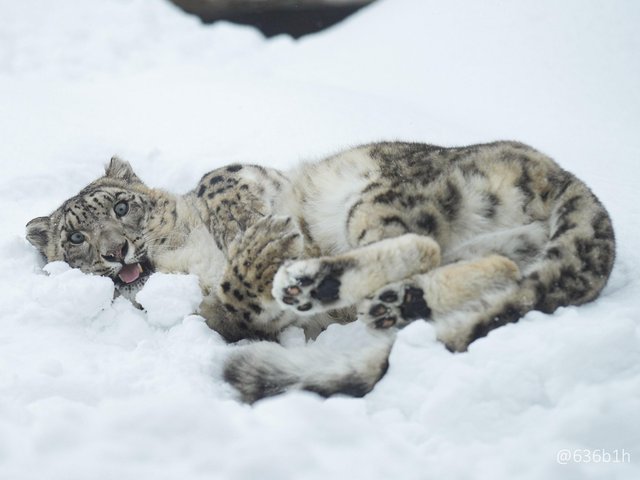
(91, 388)
(167, 299)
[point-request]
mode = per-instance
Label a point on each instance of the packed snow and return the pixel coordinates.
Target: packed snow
(93, 388)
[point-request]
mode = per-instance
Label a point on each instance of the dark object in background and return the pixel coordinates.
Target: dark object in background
(273, 17)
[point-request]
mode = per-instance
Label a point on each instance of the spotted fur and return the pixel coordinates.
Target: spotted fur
(468, 238)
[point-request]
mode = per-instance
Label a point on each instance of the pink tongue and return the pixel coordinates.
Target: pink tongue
(129, 273)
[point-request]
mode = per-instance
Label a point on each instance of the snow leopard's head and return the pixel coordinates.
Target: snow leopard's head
(104, 230)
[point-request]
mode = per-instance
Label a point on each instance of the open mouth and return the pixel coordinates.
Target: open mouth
(133, 273)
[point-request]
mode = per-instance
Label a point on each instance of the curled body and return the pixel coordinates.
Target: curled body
(468, 238)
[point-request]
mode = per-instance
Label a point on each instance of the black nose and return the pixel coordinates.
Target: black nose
(117, 253)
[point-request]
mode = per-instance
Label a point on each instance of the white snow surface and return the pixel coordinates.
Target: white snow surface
(168, 298)
(92, 388)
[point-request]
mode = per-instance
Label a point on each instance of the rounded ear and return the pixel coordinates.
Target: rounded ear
(121, 169)
(39, 233)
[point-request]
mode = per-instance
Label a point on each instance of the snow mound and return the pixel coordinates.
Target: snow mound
(168, 298)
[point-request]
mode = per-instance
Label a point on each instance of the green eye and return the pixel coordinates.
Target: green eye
(121, 208)
(77, 238)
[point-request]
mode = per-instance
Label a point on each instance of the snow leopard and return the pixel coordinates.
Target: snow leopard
(466, 238)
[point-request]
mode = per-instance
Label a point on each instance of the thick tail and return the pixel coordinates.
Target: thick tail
(573, 266)
(264, 369)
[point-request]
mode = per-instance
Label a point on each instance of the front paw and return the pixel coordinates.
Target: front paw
(308, 286)
(255, 258)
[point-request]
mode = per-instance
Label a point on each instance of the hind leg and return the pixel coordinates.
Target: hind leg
(436, 294)
(326, 283)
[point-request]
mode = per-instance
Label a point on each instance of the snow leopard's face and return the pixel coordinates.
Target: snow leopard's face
(102, 230)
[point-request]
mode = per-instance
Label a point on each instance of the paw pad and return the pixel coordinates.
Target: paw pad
(395, 305)
(386, 322)
(327, 290)
(305, 281)
(292, 291)
(389, 296)
(413, 305)
(306, 286)
(305, 307)
(288, 300)
(378, 310)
